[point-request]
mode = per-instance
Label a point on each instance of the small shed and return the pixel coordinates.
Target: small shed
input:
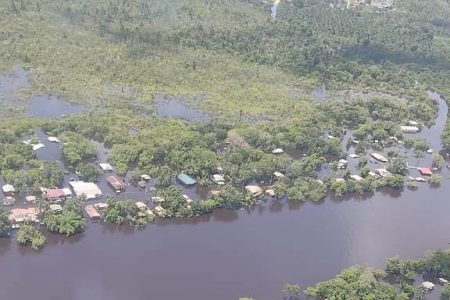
(340, 180)
(356, 177)
(425, 171)
(443, 281)
(254, 190)
(278, 175)
(92, 212)
(379, 157)
(186, 179)
(353, 155)
(30, 199)
(218, 179)
(157, 200)
(270, 193)
(278, 151)
(8, 189)
(106, 167)
(428, 285)
(116, 183)
(56, 208)
(187, 199)
(145, 177)
(8, 201)
(409, 129)
(101, 205)
(55, 195)
(53, 139)
(141, 205)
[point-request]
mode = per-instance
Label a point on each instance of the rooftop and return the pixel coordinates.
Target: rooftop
(186, 179)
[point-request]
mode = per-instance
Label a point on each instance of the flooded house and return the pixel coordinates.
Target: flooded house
(106, 167)
(54, 195)
(145, 177)
(57, 208)
(118, 184)
(157, 200)
(218, 179)
(53, 139)
(409, 129)
(187, 199)
(254, 190)
(356, 177)
(19, 215)
(270, 193)
(101, 205)
(159, 210)
(379, 157)
(30, 199)
(92, 212)
(186, 180)
(86, 189)
(8, 189)
(278, 175)
(8, 201)
(342, 164)
(425, 171)
(277, 151)
(383, 173)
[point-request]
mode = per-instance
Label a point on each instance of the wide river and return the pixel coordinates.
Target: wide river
(230, 254)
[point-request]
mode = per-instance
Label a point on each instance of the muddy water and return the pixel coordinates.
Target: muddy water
(42, 106)
(228, 254)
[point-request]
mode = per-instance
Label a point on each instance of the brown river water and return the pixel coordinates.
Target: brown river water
(230, 253)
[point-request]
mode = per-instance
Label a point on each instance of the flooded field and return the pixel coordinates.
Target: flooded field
(172, 106)
(228, 253)
(42, 106)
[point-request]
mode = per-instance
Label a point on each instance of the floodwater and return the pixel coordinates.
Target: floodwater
(42, 106)
(231, 253)
(174, 107)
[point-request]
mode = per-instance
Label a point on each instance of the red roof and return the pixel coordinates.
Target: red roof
(55, 193)
(116, 182)
(425, 171)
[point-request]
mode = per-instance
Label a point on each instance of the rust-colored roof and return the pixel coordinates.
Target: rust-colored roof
(425, 171)
(116, 182)
(55, 193)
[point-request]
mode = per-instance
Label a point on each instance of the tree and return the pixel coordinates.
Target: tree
(398, 166)
(5, 223)
(435, 179)
(88, 172)
(438, 160)
(67, 223)
(446, 291)
(28, 234)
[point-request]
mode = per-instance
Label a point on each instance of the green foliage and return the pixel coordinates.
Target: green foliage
(435, 179)
(88, 172)
(446, 291)
(125, 212)
(76, 148)
(27, 234)
(5, 223)
(398, 166)
(291, 291)
(438, 160)
(354, 283)
(67, 223)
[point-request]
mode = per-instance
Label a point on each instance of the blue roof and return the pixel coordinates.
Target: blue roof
(186, 180)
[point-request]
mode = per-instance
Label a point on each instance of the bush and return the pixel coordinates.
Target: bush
(28, 234)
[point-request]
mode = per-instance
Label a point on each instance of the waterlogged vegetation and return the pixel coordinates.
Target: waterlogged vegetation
(242, 83)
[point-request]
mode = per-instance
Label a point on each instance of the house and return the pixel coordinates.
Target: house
(342, 164)
(340, 180)
(356, 178)
(443, 281)
(56, 208)
(353, 155)
(19, 215)
(254, 190)
(409, 129)
(145, 177)
(116, 183)
(218, 179)
(106, 167)
(31, 199)
(277, 151)
(92, 212)
(101, 205)
(383, 173)
(8, 201)
(159, 210)
(67, 192)
(278, 175)
(425, 171)
(428, 285)
(187, 199)
(53, 139)
(379, 157)
(270, 193)
(8, 189)
(55, 195)
(157, 200)
(185, 179)
(141, 205)
(373, 174)
(87, 189)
